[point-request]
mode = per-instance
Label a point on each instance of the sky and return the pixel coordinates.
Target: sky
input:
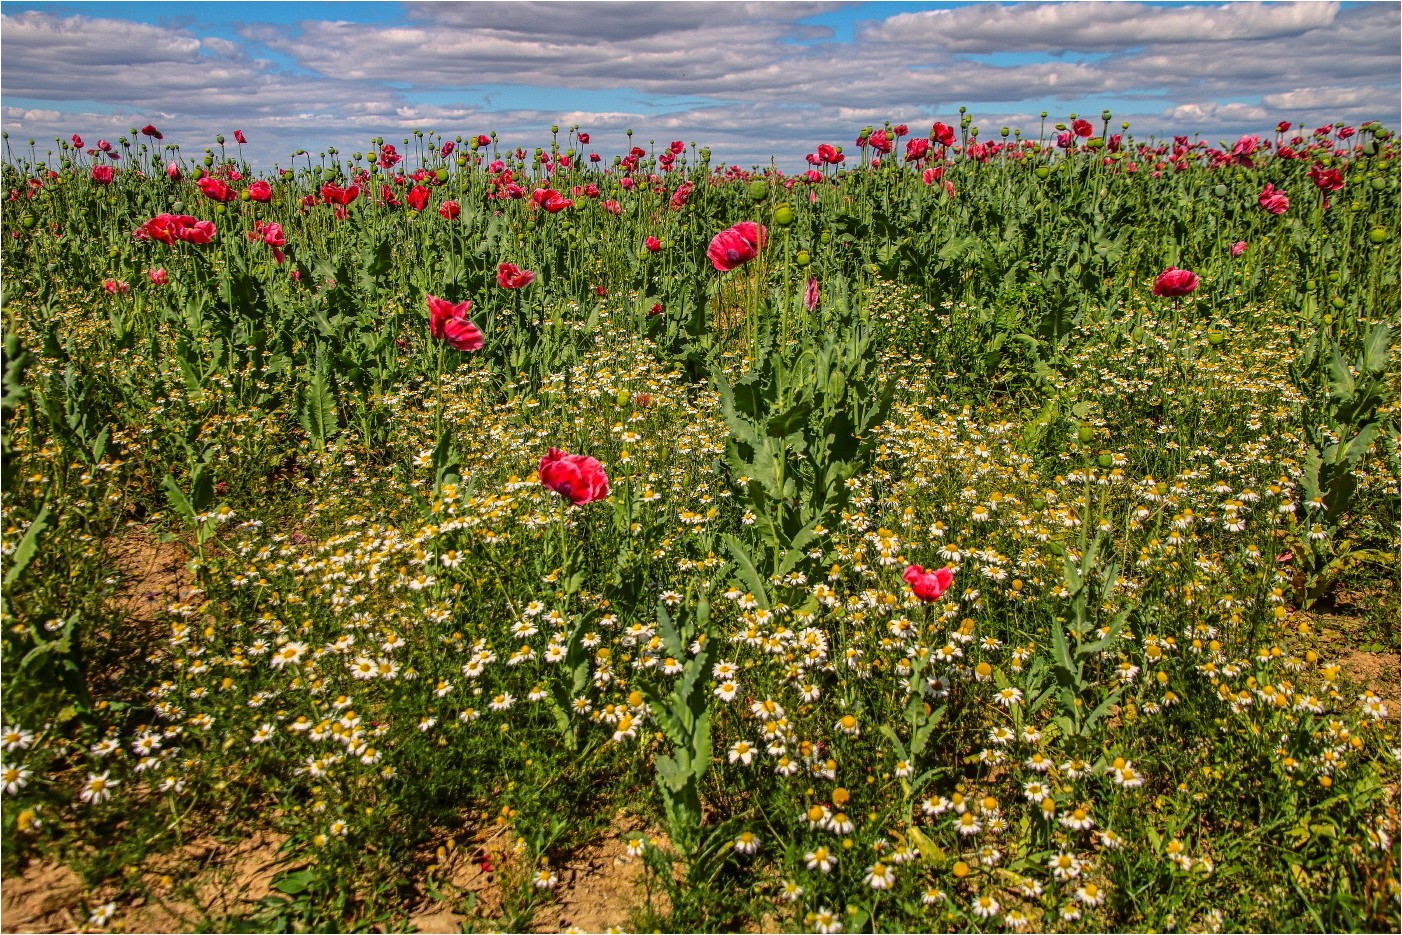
(749, 80)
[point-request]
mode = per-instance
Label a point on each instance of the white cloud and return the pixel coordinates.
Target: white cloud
(1096, 27)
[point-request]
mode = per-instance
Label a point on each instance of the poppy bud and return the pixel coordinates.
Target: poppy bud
(1043, 172)
(219, 139)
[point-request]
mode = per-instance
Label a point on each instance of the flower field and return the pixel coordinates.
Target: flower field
(956, 535)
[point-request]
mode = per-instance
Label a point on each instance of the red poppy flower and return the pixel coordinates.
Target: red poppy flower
(652, 244)
(736, 245)
(578, 478)
(1082, 128)
(158, 277)
(239, 137)
(1329, 180)
(511, 276)
(77, 141)
(1283, 127)
(102, 175)
(152, 132)
(261, 191)
(943, 134)
(417, 197)
(928, 585)
(448, 323)
(336, 195)
(449, 210)
(583, 138)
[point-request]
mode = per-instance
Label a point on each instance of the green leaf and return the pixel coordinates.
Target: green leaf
(745, 570)
(28, 545)
(177, 499)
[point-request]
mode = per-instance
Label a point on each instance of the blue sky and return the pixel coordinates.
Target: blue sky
(749, 80)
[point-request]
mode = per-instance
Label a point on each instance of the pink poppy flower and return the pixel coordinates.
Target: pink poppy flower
(1273, 200)
(928, 585)
(511, 276)
(1174, 282)
(736, 245)
(578, 478)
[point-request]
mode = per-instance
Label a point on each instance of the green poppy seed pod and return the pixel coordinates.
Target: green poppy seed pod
(1104, 459)
(1338, 303)
(1377, 234)
(758, 190)
(418, 133)
(962, 109)
(208, 160)
(1219, 190)
(1038, 503)
(1003, 132)
(1044, 115)
(472, 144)
(219, 208)
(802, 258)
(1370, 147)
(628, 133)
(783, 214)
(1124, 125)
(1311, 285)
(554, 128)
(27, 222)
(1043, 172)
(973, 131)
(1355, 206)
(1326, 160)
(1105, 115)
(1215, 338)
(1328, 319)
(218, 139)
(113, 252)
(825, 237)
(177, 206)
(622, 397)
(441, 175)
(462, 161)
(1332, 275)
(1085, 433)
(245, 196)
